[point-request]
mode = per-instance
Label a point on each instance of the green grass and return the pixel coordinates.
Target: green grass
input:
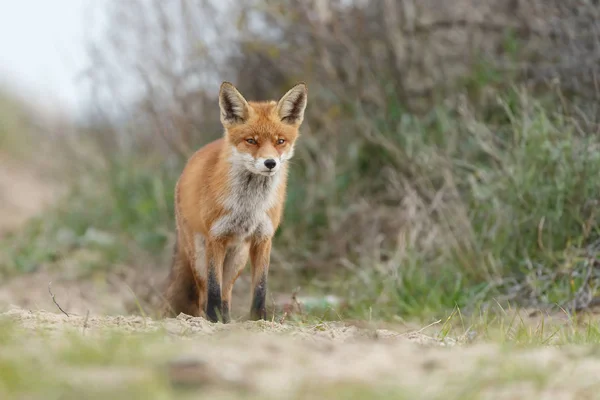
(515, 211)
(516, 327)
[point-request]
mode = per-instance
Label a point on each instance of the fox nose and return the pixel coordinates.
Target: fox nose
(270, 163)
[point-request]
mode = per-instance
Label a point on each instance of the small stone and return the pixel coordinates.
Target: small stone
(189, 371)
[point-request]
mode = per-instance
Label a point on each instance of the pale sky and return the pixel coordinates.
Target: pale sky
(42, 48)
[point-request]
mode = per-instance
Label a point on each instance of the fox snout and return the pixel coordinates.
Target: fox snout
(267, 165)
(270, 163)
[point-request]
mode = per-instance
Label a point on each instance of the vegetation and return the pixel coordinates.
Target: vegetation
(456, 211)
(444, 188)
(403, 205)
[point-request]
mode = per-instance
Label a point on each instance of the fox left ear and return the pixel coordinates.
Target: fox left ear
(292, 105)
(234, 108)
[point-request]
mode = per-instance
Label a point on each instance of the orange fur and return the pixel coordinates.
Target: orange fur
(229, 202)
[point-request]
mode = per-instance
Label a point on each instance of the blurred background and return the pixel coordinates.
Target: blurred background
(449, 156)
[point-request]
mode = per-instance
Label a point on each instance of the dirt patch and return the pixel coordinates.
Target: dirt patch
(120, 290)
(273, 360)
(23, 194)
(111, 293)
(187, 326)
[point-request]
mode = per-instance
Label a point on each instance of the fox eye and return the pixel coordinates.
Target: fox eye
(280, 141)
(251, 141)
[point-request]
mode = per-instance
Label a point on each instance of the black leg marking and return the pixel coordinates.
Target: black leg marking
(225, 308)
(258, 310)
(213, 303)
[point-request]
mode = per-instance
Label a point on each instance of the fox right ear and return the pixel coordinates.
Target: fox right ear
(234, 108)
(291, 106)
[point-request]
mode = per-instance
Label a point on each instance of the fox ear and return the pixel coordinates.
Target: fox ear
(234, 108)
(292, 105)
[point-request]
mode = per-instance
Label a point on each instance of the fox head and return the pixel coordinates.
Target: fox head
(261, 135)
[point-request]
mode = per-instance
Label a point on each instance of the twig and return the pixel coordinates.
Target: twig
(54, 299)
(428, 326)
(284, 317)
(295, 300)
(539, 236)
(85, 323)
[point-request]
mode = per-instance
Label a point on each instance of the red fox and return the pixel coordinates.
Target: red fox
(228, 204)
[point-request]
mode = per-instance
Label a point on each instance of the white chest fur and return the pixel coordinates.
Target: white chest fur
(250, 197)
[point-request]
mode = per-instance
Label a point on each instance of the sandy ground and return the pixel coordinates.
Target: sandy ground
(266, 359)
(330, 360)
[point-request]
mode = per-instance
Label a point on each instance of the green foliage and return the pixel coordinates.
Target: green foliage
(108, 216)
(520, 212)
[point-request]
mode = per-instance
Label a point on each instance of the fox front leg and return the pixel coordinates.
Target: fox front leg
(260, 254)
(215, 255)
